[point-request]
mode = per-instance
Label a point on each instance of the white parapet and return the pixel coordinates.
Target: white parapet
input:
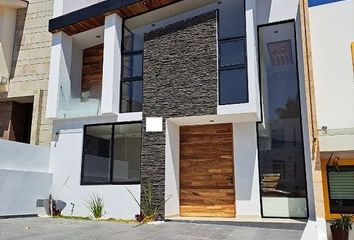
(25, 178)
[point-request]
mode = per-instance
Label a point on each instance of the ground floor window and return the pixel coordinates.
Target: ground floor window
(341, 189)
(111, 154)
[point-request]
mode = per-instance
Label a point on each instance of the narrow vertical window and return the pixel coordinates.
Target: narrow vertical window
(233, 83)
(280, 137)
(132, 72)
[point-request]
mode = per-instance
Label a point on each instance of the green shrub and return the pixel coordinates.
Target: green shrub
(95, 205)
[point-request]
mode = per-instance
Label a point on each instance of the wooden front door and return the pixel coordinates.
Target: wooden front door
(207, 171)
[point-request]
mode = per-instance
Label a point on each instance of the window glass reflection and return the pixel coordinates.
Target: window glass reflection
(281, 154)
(97, 144)
(232, 53)
(127, 147)
(111, 154)
(233, 86)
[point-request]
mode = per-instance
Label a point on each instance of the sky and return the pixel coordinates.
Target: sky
(319, 2)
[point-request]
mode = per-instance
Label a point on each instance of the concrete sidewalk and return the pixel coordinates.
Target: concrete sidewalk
(53, 229)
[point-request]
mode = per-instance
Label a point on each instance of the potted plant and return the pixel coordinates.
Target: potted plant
(340, 227)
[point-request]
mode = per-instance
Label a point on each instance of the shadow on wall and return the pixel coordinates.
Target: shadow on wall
(246, 160)
(20, 24)
(57, 206)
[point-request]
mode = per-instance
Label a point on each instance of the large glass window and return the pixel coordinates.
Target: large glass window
(233, 83)
(111, 154)
(341, 189)
(281, 153)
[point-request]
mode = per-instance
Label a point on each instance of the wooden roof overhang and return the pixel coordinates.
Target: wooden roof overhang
(94, 16)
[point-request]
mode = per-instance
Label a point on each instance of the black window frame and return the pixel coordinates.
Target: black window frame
(234, 66)
(293, 21)
(110, 182)
(339, 168)
(129, 79)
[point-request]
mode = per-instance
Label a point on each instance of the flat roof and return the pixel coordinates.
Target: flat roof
(94, 15)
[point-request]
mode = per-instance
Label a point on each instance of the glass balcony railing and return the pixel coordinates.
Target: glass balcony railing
(82, 104)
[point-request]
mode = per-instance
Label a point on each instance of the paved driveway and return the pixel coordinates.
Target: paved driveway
(53, 229)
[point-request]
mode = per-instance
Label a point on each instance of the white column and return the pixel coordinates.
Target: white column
(111, 64)
(252, 59)
(60, 67)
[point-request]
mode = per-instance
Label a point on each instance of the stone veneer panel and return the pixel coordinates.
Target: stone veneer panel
(180, 79)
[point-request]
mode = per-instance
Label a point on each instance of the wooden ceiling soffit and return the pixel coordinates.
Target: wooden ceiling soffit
(94, 16)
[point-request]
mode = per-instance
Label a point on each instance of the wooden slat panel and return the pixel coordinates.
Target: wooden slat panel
(207, 171)
(92, 70)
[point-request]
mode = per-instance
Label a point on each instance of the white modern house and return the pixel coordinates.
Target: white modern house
(235, 110)
(205, 99)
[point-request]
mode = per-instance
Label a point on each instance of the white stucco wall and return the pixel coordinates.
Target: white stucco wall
(332, 32)
(112, 64)
(62, 7)
(246, 170)
(24, 178)
(172, 169)
(24, 157)
(23, 192)
(65, 163)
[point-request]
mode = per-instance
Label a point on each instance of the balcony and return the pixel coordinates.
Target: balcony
(80, 76)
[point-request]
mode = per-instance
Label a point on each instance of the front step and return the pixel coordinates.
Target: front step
(286, 224)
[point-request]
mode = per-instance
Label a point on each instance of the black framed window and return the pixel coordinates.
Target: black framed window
(341, 189)
(111, 154)
(280, 134)
(132, 72)
(233, 82)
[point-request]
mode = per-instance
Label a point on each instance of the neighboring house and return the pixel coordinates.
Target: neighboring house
(332, 33)
(24, 70)
(25, 46)
(205, 99)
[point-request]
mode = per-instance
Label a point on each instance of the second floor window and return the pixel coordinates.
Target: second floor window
(132, 72)
(233, 82)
